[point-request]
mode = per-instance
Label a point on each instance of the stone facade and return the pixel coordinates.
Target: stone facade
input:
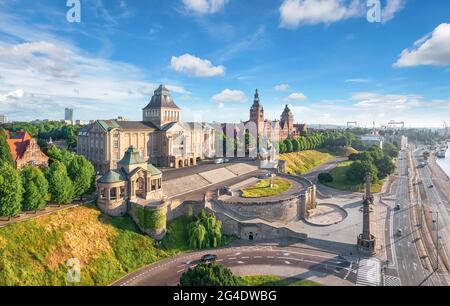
(161, 138)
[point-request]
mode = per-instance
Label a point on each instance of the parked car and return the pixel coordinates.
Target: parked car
(226, 161)
(397, 207)
(209, 258)
(219, 161)
(431, 186)
(399, 232)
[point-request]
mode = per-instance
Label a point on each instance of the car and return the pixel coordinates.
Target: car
(431, 186)
(209, 258)
(226, 161)
(399, 232)
(219, 161)
(397, 207)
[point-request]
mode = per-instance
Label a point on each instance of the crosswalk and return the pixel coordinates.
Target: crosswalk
(392, 281)
(369, 273)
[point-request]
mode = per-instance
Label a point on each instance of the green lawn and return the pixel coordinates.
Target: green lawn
(302, 162)
(341, 182)
(262, 188)
(271, 280)
(35, 252)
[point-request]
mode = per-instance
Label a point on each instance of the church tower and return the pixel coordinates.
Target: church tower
(162, 109)
(287, 122)
(257, 113)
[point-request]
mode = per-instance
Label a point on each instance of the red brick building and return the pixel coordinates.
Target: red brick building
(25, 150)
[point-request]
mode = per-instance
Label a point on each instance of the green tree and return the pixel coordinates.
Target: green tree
(391, 150)
(325, 178)
(289, 146)
(385, 167)
(5, 152)
(10, 191)
(197, 235)
(205, 231)
(35, 189)
(211, 274)
(358, 170)
(295, 145)
(82, 174)
(60, 185)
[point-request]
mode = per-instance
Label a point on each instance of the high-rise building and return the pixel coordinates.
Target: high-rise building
(68, 116)
(3, 119)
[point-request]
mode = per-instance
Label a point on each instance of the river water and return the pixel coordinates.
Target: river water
(445, 163)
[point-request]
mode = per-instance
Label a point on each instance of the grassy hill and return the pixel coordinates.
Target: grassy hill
(302, 162)
(341, 182)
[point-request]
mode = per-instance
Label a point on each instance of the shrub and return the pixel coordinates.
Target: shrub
(325, 178)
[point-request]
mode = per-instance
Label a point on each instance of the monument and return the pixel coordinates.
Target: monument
(367, 241)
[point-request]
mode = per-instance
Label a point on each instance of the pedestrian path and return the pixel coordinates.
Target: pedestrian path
(369, 273)
(392, 281)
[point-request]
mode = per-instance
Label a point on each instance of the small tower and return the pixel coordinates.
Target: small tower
(366, 240)
(161, 109)
(257, 113)
(287, 122)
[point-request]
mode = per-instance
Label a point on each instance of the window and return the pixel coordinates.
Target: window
(116, 144)
(103, 193)
(113, 194)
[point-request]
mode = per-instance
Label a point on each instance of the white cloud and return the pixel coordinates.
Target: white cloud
(230, 96)
(432, 49)
(282, 87)
(203, 7)
(369, 100)
(297, 96)
(392, 7)
(357, 81)
(294, 13)
(13, 95)
(195, 66)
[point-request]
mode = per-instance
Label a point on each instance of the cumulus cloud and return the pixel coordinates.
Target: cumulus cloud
(282, 87)
(203, 7)
(294, 13)
(297, 96)
(391, 9)
(230, 96)
(196, 66)
(432, 49)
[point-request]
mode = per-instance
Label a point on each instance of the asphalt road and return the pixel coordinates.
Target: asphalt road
(263, 258)
(407, 259)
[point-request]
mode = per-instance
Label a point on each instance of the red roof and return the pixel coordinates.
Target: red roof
(18, 143)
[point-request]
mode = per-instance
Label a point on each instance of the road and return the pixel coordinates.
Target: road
(263, 258)
(435, 201)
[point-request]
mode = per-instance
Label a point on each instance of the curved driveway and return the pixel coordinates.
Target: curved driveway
(331, 269)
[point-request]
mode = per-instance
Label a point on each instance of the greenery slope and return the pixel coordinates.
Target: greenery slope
(341, 182)
(302, 162)
(35, 252)
(271, 280)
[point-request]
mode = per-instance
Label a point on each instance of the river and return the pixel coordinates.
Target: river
(445, 163)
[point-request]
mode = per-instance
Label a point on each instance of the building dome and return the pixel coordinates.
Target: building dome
(161, 99)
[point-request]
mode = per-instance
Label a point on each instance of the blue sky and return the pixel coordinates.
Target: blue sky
(323, 57)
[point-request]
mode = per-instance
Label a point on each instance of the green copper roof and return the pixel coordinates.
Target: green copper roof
(153, 170)
(108, 125)
(132, 157)
(112, 176)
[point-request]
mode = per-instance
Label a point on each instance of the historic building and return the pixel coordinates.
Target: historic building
(25, 150)
(285, 128)
(161, 138)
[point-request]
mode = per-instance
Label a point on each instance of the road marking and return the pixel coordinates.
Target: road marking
(369, 273)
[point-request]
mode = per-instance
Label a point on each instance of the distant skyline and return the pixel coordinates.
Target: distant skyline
(323, 57)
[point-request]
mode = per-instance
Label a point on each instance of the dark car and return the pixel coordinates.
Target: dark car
(209, 258)
(431, 186)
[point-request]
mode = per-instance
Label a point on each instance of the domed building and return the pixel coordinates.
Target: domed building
(161, 138)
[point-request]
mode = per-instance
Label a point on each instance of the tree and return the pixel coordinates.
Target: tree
(358, 170)
(205, 231)
(295, 145)
(289, 146)
(197, 235)
(325, 178)
(364, 157)
(35, 189)
(82, 174)
(211, 274)
(5, 152)
(385, 167)
(391, 150)
(10, 191)
(60, 185)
